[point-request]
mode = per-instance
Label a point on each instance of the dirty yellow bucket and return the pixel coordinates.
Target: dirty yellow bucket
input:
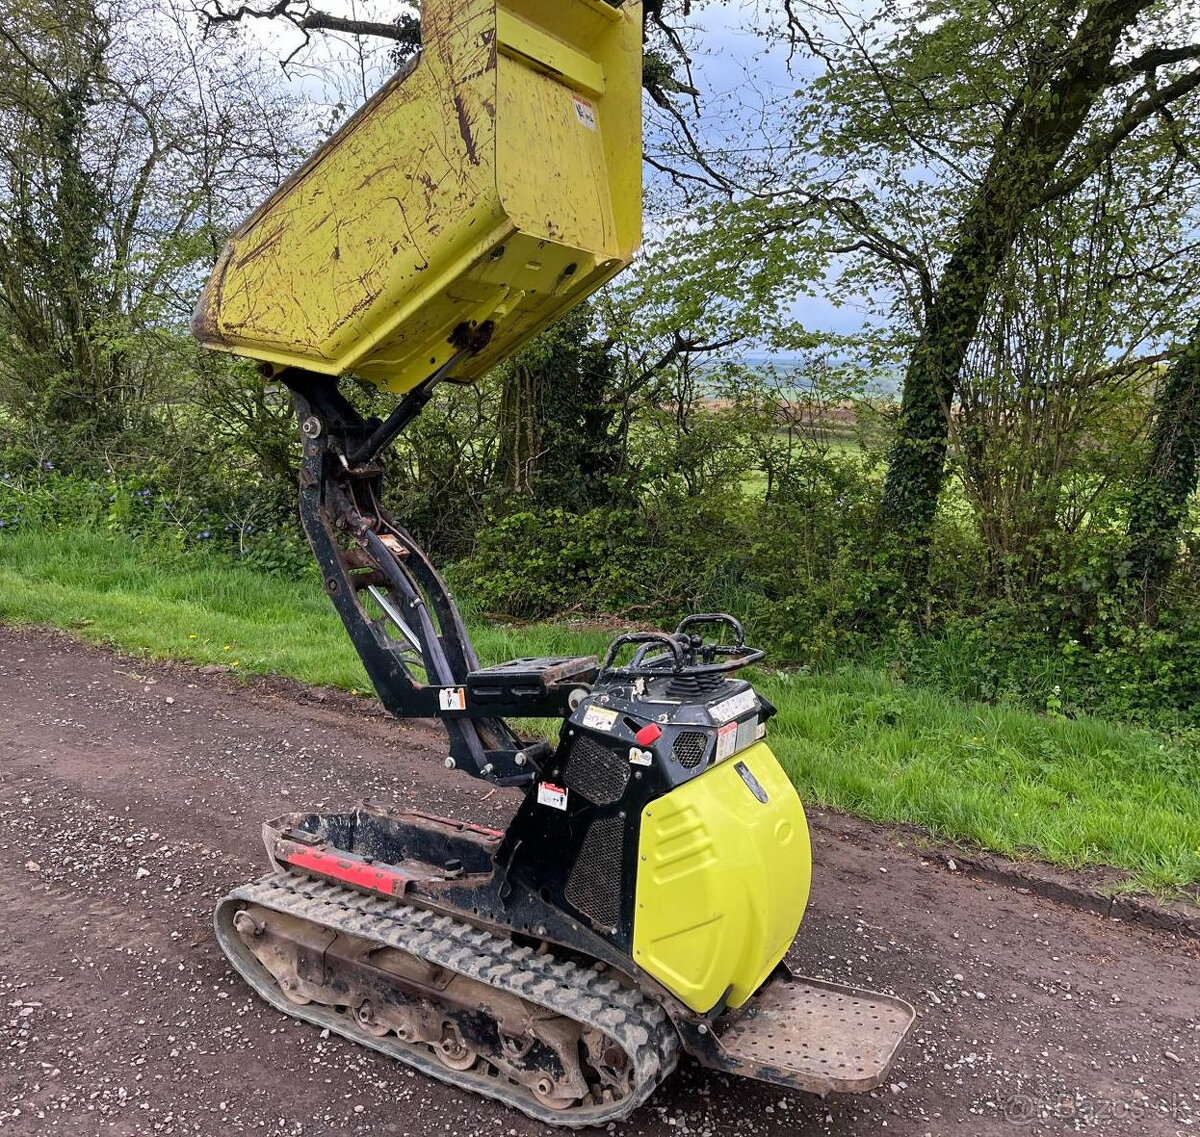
(497, 179)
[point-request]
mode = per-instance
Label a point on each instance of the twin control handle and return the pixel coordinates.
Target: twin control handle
(687, 653)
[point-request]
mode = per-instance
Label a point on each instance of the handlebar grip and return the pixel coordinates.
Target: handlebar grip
(642, 638)
(715, 618)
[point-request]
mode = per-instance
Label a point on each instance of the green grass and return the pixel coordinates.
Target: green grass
(1072, 792)
(154, 601)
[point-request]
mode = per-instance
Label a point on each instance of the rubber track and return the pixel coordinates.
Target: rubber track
(635, 1022)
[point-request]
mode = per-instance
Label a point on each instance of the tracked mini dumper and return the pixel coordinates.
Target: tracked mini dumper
(655, 874)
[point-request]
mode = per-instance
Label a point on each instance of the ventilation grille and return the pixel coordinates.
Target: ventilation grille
(596, 772)
(689, 747)
(595, 884)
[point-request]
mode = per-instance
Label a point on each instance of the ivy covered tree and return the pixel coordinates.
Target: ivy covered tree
(51, 216)
(1066, 88)
(558, 445)
(1168, 479)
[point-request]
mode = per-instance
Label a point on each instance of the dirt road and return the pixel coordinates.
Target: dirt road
(130, 799)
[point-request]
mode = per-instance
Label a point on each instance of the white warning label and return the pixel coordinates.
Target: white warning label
(726, 740)
(732, 708)
(599, 718)
(452, 698)
(585, 112)
(553, 796)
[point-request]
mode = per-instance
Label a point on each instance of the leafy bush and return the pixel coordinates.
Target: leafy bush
(1125, 672)
(538, 562)
(37, 498)
(246, 520)
(809, 581)
(803, 569)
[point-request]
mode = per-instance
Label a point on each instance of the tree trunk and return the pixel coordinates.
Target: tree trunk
(520, 428)
(916, 463)
(1160, 496)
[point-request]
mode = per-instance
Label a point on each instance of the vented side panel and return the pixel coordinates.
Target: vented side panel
(595, 884)
(689, 747)
(596, 772)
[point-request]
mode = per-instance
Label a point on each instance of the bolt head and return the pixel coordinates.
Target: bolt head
(311, 427)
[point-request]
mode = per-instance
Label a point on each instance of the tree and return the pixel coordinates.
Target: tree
(921, 142)
(1054, 392)
(1169, 478)
(50, 225)
(570, 400)
(558, 445)
(1078, 98)
(128, 151)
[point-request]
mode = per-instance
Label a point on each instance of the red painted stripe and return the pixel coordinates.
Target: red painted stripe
(348, 871)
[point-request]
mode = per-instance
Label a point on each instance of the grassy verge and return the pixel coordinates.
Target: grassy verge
(1072, 792)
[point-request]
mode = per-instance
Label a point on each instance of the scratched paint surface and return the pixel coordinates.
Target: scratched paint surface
(481, 185)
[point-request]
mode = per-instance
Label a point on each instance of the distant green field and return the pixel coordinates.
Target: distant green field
(1072, 792)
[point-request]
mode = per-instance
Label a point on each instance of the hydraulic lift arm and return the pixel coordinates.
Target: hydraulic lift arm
(415, 646)
(490, 186)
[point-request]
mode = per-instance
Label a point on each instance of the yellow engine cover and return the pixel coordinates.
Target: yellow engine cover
(498, 179)
(723, 880)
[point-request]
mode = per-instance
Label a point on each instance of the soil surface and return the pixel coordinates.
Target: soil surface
(131, 796)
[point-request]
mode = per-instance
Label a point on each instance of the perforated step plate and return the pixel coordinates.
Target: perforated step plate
(815, 1036)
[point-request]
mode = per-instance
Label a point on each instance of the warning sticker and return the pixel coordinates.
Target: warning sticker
(738, 705)
(452, 698)
(553, 796)
(585, 112)
(599, 718)
(640, 757)
(726, 740)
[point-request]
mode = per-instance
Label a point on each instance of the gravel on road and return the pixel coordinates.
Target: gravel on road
(131, 797)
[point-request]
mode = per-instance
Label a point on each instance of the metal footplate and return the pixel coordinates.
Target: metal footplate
(808, 1035)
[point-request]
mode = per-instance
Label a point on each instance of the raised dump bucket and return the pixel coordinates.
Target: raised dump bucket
(497, 179)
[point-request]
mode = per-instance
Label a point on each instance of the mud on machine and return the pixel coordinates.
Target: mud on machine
(645, 893)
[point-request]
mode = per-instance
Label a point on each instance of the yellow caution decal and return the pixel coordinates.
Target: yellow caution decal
(724, 871)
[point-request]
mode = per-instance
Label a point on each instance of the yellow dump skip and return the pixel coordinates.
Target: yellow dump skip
(498, 179)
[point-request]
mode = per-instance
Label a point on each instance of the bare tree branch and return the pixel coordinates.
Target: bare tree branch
(404, 29)
(1152, 60)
